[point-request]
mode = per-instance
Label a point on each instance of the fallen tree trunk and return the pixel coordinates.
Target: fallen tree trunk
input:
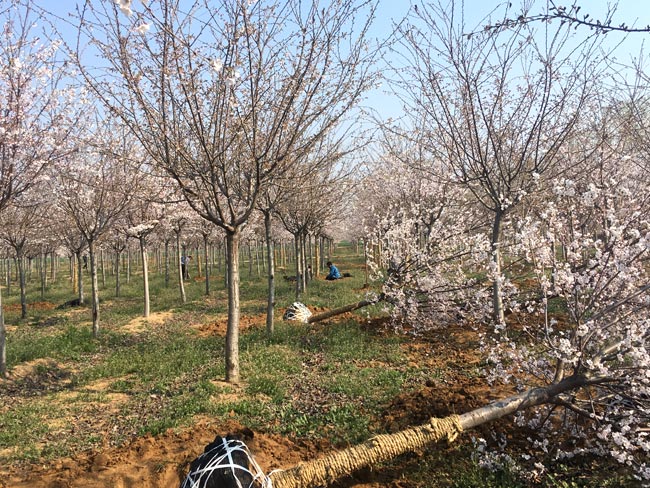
(341, 310)
(326, 470)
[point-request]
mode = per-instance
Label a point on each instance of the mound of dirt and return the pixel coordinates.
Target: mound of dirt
(155, 462)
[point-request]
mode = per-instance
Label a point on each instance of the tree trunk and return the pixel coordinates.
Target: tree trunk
(80, 280)
(23, 285)
(181, 285)
(303, 262)
(270, 304)
(8, 275)
(207, 268)
(166, 263)
(145, 275)
(296, 245)
(225, 275)
(343, 309)
(103, 266)
(381, 448)
(128, 264)
(94, 288)
(118, 256)
(250, 259)
(43, 274)
(497, 289)
(3, 341)
(53, 266)
(232, 334)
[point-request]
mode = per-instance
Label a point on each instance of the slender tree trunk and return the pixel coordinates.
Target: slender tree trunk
(145, 275)
(270, 304)
(53, 263)
(365, 263)
(94, 287)
(8, 275)
(232, 334)
(23, 285)
(166, 263)
(317, 259)
(321, 245)
(43, 274)
(497, 289)
(103, 266)
(72, 264)
(226, 273)
(207, 268)
(118, 257)
(296, 245)
(310, 258)
(80, 280)
(250, 260)
(3, 340)
(303, 261)
(128, 265)
(181, 285)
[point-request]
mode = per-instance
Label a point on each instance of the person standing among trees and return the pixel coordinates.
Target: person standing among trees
(185, 262)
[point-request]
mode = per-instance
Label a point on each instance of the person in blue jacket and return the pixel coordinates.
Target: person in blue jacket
(334, 273)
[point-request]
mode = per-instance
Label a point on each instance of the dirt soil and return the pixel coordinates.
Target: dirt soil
(162, 461)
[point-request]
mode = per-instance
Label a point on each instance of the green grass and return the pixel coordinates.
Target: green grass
(70, 343)
(329, 381)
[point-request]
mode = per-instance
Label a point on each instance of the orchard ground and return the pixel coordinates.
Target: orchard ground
(135, 406)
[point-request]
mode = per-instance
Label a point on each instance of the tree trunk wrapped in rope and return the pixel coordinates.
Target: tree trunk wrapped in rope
(326, 470)
(299, 312)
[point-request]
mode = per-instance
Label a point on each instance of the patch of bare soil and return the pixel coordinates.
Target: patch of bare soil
(33, 378)
(219, 326)
(139, 324)
(160, 461)
(15, 307)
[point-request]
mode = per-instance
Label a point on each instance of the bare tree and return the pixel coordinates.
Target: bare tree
(224, 95)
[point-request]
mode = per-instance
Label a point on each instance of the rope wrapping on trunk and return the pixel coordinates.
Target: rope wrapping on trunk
(326, 470)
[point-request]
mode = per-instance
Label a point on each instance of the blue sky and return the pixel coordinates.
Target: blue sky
(632, 12)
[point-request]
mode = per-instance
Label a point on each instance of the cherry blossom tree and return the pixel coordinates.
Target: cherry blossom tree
(422, 235)
(21, 223)
(180, 219)
(223, 104)
(94, 190)
(39, 111)
(497, 109)
(143, 218)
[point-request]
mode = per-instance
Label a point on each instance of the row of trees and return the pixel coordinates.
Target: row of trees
(176, 117)
(514, 159)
